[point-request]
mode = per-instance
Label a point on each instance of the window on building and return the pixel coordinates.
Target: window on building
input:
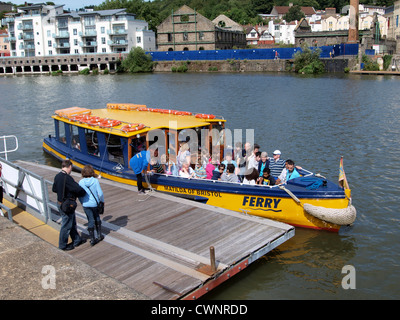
(201, 35)
(75, 42)
(139, 39)
(75, 32)
(103, 50)
(49, 43)
(185, 36)
(103, 40)
(103, 30)
(76, 51)
(48, 33)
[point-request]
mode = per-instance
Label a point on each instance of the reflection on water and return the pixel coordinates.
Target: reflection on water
(312, 120)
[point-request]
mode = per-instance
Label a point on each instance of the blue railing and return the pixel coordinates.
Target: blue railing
(251, 54)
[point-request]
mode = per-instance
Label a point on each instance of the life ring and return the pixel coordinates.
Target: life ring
(108, 123)
(186, 113)
(205, 116)
(133, 127)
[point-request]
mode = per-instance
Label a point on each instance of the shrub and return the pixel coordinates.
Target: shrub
(307, 61)
(369, 65)
(85, 71)
(137, 61)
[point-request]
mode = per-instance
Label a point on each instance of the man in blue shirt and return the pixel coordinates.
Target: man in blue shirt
(139, 163)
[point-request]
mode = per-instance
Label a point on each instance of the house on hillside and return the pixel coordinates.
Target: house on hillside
(186, 29)
(280, 11)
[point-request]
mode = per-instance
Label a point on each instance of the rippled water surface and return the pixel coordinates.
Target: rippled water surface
(312, 120)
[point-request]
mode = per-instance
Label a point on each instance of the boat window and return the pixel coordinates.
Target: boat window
(115, 149)
(75, 143)
(138, 145)
(61, 132)
(92, 142)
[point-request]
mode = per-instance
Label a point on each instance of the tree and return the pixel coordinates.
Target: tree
(293, 14)
(137, 61)
(307, 61)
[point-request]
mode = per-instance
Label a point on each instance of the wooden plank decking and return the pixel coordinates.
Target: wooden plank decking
(159, 245)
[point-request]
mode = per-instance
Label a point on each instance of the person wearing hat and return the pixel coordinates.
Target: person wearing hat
(276, 164)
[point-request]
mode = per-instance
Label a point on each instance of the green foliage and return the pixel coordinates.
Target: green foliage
(369, 65)
(137, 61)
(56, 73)
(307, 61)
(387, 59)
(293, 14)
(106, 71)
(182, 68)
(85, 71)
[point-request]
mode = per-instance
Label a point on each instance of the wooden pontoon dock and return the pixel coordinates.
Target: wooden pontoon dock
(162, 246)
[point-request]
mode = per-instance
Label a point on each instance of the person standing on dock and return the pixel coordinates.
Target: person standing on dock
(66, 187)
(94, 195)
(139, 163)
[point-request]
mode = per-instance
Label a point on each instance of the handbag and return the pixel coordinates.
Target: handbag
(68, 205)
(100, 204)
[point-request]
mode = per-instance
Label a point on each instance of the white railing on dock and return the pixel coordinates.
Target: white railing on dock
(29, 190)
(6, 140)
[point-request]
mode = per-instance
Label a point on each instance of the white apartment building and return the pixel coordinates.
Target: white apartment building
(45, 30)
(283, 31)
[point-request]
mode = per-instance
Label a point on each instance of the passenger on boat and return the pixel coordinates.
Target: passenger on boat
(200, 171)
(90, 200)
(218, 173)
(229, 175)
(263, 163)
(183, 155)
(171, 168)
(157, 166)
(288, 173)
(210, 168)
(254, 160)
(229, 160)
(266, 179)
(276, 164)
(251, 176)
(186, 171)
(241, 159)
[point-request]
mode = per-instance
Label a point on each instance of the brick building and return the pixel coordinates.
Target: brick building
(186, 29)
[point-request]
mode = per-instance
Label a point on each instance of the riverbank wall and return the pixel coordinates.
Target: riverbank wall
(231, 65)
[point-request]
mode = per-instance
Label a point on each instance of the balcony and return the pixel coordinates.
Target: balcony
(27, 47)
(25, 26)
(88, 44)
(116, 32)
(117, 43)
(62, 34)
(61, 45)
(11, 39)
(88, 33)
(24, 36)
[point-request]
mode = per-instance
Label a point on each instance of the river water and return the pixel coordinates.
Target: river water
(312, 119)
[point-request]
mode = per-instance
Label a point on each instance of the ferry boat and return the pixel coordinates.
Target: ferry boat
(108, 138)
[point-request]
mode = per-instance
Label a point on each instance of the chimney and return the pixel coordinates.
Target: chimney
(353, 22)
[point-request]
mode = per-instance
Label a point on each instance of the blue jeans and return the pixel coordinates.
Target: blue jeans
(92, 215)
(68, 228)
